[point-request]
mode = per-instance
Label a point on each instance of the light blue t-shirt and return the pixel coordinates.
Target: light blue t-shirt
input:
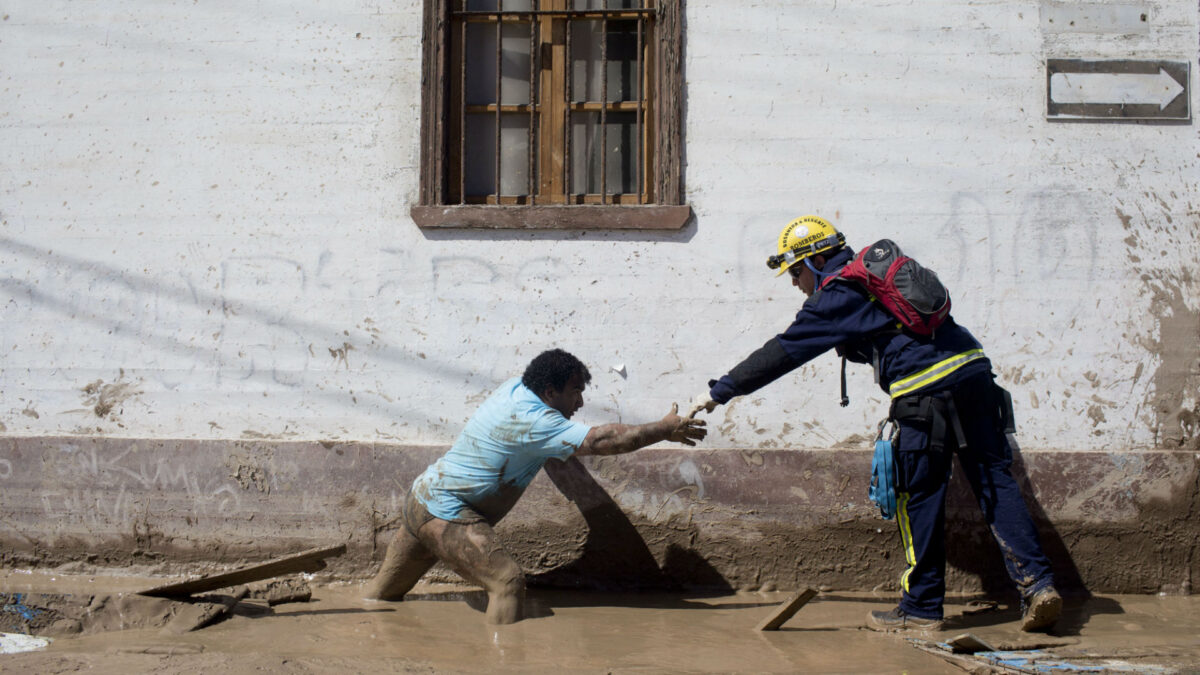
(498, 453)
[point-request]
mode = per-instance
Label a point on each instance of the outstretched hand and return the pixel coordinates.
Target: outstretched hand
(702, 402)
(684, 429)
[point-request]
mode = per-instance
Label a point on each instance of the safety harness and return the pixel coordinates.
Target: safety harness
(936, 412)
(939, 413)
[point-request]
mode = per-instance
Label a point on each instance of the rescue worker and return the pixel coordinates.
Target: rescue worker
(944, 402)
(452, 507)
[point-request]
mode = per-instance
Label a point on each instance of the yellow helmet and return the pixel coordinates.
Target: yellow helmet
(803, 237)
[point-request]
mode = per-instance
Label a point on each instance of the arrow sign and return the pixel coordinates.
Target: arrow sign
(1123, 88)
(1078, 89)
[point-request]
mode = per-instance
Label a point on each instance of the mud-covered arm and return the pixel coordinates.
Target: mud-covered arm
(618, 439)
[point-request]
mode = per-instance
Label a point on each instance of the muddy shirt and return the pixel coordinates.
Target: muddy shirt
(501, 449)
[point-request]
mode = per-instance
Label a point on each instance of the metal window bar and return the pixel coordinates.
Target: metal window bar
(462, 113)
(532, 144)
(499, 79)
(637, 128)
(604, 104)
(568, 95)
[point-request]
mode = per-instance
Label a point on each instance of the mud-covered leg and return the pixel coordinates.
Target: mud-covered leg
(407, 559)
(474, 552)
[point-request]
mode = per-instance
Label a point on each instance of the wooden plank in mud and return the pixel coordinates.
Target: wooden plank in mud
(964, 661)
(309, 561)
(786, 610)
(196, 614)
(968, 644)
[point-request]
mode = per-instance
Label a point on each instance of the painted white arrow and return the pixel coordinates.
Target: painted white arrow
(1123, 88)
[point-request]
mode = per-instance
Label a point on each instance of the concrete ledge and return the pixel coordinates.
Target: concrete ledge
(1113, 522)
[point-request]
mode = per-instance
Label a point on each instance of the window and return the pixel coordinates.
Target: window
(552, 114)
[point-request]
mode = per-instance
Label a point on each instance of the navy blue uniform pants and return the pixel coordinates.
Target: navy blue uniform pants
(923, 459)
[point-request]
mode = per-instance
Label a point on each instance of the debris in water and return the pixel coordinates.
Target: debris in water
(15, 643)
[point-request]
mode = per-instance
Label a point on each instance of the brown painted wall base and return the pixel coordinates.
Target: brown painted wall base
(1112, 522)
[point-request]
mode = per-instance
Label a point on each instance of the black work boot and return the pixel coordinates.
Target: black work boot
(1041, 610)
(896, 619)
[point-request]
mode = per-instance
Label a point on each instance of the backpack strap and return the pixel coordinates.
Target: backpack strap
(845, 398)
(1007, 418)
(898, 329)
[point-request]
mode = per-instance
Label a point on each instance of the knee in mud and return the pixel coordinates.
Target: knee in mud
(509, 579)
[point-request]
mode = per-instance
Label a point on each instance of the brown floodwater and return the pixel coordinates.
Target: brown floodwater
(441, 628)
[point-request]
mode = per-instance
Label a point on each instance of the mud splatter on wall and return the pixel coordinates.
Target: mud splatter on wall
(1174, 402)
(242, 246)
(205, 236)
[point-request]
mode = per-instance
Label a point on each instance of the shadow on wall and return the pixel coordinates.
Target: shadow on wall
(1066, 574)
(615, 557)
(254, 339)
(971, 548)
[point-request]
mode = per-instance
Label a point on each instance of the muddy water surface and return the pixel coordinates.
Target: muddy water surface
(441, 628)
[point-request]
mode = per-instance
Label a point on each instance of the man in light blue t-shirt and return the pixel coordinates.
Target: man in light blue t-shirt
(452, 506)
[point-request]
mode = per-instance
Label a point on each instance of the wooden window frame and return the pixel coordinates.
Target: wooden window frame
(663, 207)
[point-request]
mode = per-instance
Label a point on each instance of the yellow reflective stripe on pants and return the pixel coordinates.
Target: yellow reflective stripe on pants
(910, 556)
(907, 385)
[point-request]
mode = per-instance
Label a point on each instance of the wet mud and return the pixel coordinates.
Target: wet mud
(441, 628)
(65, 614)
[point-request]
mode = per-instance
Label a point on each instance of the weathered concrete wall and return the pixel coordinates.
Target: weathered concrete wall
(205, 247)
(728, 517)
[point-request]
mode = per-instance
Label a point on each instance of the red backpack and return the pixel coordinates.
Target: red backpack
(911, 293)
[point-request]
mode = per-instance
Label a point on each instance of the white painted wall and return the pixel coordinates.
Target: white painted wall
(204, 226)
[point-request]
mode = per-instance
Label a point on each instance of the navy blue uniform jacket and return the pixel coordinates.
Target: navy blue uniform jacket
(841, 315)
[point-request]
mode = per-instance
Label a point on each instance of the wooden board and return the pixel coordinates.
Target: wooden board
(786, 610)
(968, 644)
(197, 614)
(309, 561)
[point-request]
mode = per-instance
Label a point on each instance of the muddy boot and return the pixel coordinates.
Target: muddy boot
(1041, 610)
(897, 619)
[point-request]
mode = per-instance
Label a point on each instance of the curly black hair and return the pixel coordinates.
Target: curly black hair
(551, 369)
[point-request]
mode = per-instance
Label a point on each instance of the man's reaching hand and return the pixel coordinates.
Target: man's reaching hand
(685, 429)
